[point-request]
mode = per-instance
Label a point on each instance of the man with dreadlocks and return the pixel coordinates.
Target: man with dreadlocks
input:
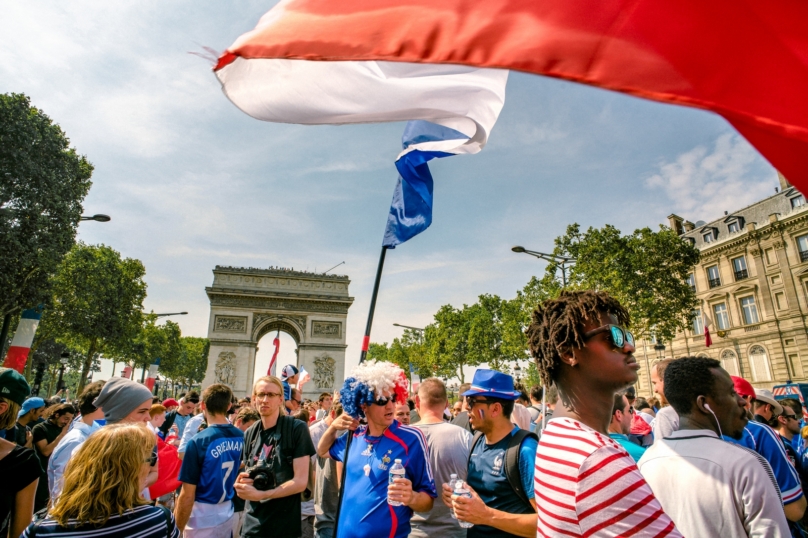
(586, 483)
(372, 392)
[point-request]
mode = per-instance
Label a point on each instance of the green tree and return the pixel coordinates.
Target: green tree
(43, 182)
(194, 360)
(447, 341)
(646, 271)
(97, 302)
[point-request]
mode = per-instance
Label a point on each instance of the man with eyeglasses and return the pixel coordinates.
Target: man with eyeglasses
(620, 426)
(500, 465)
(286, 445)
(788, 423)
(586, 482)
(372, 392)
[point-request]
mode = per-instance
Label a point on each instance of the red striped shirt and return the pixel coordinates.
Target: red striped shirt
(587, 485)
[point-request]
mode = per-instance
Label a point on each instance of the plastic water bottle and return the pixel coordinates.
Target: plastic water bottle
(461, 490)
(396, 471)
(451, 483)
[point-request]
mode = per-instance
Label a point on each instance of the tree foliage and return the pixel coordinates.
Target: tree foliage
(43, 184)
(193, 362)
(646, 271)
(97, 302)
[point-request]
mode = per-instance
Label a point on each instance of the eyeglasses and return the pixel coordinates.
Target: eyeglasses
(474, 401)
(297, 401)
(152, 460)
(384, 400)
(267, 395)
(617, 334)
(790, 416)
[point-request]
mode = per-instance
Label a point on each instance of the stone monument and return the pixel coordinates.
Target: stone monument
(247, 303)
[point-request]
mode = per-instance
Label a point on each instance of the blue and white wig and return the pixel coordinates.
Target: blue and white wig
(370, 379)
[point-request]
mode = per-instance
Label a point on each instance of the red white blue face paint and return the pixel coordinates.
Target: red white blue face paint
(482, 415)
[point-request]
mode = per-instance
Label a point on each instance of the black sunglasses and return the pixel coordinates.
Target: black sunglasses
(152, 459)
(383, 401)
(474, 401)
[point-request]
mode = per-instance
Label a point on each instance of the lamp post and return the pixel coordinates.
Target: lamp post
(171, 314)
(97, 218)
(63, 360)
(517, 372)
(563, 261)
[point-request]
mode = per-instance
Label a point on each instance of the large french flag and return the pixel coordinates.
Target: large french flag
(17, 353)
(746, 60)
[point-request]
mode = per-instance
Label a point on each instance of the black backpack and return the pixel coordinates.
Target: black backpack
(511, 461)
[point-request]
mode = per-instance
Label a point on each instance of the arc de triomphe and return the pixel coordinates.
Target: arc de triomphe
(247, 303)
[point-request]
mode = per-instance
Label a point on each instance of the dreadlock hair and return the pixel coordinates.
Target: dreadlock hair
(558, 326)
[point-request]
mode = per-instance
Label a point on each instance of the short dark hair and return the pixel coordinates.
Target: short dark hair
(192, 397)
(794, 404)
(247, 414)
(432, 392)
(88, 395)
(688, 378)
(410, 404)
(217, 398)
(325, 395)
(507, 405)
(536, 392)
(558, 326)
(641, 403)
(618, 402)
(302, 415)
(463, 388)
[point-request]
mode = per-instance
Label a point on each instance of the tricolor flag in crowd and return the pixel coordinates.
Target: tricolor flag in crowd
(305, 377)
(153, 369)
(320, 61)
(454, 108)
(17, 354)
(273, 362)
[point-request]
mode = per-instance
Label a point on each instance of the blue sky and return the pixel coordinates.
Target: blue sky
(192, 182)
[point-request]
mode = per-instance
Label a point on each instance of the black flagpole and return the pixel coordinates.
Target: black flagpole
(365, 345)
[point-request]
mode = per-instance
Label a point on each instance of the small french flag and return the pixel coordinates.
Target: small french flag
(17, 353)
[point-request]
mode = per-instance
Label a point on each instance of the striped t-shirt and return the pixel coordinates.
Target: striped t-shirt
(587, 485)
(143, 522)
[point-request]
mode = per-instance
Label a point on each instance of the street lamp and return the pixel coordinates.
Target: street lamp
(408, 327)
(560, 260)
(97, 218)
(171, 314)
(660, 350)
(517, 372)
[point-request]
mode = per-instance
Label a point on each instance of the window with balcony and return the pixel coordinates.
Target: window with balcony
(802, 247)
(797, 201)
(691, 281)
(708, 237)
(698, 324)
(713, 277)
(721, 316)
(739, 266)
(749, 310)
(734, 227)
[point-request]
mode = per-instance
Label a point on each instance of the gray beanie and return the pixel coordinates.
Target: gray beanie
(119, 397)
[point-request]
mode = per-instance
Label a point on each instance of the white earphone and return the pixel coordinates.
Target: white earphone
(707, 407)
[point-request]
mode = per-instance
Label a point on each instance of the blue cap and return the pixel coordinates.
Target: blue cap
(492, 383)
(29, 405)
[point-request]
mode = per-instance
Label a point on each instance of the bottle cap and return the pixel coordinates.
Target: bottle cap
(398, 460)
(452, 475)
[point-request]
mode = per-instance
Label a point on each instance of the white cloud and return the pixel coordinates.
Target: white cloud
(703, 182)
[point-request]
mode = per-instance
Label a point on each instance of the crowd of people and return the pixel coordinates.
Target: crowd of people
(708, 456)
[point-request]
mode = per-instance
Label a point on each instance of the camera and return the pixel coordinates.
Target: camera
(262, 475)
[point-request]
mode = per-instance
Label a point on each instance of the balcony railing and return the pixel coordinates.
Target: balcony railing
(804, 255)
(714, 282)
(742, 274)
(751, 328)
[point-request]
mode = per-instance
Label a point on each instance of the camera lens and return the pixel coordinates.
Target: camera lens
(261, 481)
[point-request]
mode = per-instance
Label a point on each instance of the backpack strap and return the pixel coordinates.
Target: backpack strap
(167, 515)
(474, 442)
(512, 464)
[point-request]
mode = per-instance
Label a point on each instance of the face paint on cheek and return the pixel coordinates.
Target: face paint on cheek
(480, 412)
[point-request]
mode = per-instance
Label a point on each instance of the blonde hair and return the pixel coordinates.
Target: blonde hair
(9, 418)
(269, 379)
(103, 478)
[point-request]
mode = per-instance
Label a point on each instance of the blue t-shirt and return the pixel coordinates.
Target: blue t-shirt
(287, 391)
(212, 461)
(766, 442)
(366, 513)
(488, 477)
(634, 450)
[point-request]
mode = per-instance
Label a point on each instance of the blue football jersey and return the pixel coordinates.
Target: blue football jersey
(212, 461)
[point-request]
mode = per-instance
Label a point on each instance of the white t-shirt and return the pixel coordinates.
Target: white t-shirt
(665, 423)
(710, 487)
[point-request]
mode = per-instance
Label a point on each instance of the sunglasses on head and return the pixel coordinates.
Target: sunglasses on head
(384, 400)
(152, 460)
(617, 335)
